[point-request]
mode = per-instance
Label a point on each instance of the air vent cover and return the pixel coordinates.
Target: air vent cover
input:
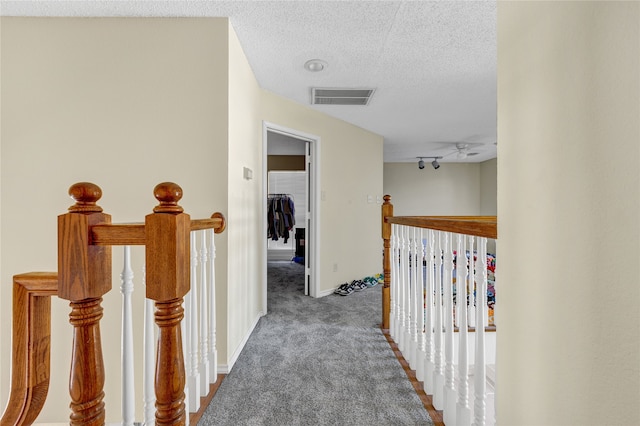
(321, 96)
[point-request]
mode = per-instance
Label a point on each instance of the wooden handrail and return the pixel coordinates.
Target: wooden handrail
(133, 234)
(480, 226)
(118, 234)
(217, 222)
(31, 368)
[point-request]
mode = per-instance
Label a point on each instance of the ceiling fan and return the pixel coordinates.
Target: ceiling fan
(460, 149)
(463, 150)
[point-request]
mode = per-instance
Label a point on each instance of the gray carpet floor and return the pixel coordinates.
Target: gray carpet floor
(316, 362)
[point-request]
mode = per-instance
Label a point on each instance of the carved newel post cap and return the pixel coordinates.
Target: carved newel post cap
(85, 194)
(168, 194)
(386, 199)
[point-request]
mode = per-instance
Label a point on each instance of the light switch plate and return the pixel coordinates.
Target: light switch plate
(247, 173)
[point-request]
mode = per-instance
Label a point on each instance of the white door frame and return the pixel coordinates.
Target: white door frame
(313, 234)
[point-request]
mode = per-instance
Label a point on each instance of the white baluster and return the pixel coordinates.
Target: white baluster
(148, 374)
(420, 286)
(403, 292)
(463, 411)
(204, 368)
(128, 389)
(472, 290)
(438, 373)
(480, 371)
(413, 302)
(400, 324)
(429, 366)
(449, 410)
(192, 329)
(417, 295)
(213, 350)
(407, 295)
(398, 283)
(392, 289)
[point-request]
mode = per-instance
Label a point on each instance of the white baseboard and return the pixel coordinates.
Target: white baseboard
(226, 368)
(326, 292)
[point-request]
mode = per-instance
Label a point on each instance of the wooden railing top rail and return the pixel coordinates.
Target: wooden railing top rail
(133, 234)
(481, 226)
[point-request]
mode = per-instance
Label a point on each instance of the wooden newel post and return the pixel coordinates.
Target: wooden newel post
(167, 233)
(387, 211)
(84, 276)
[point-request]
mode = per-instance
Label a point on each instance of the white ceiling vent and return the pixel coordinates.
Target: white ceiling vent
(340, 96)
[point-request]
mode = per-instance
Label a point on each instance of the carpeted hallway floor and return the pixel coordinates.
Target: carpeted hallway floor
(316, 362)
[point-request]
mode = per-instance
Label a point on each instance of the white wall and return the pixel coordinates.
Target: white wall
(568, 203)
(489, 188)
(245, 201)
(351, 169)
(453, 189)
(124, 103)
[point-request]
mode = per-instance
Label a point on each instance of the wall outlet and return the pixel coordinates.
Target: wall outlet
(335, 267)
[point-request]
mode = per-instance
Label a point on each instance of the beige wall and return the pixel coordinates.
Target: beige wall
(568, 203)
(245, 200)
(489, 188)
(453, 189)
(124, 103)
(351, 169)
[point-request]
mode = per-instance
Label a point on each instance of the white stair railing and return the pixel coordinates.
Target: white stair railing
(192, 332)
(480, 372)
(211, 309)
(393, 290)
(404, 288)
(126, 336)
(450, 396)
(413, 278)
(198, 333)
(463, 411)
(424, 316)
(204, 366)
(429, 307)
(419, 273)
(438, 373)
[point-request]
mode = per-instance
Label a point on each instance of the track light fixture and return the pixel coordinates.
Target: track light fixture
(434, 163)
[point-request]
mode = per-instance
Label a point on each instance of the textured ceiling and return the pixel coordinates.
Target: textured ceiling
(432, 63)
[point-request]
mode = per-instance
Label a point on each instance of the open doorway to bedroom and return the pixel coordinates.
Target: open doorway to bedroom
(291, 176)
(286, 208)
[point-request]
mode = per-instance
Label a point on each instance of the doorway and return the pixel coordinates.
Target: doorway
(291, 168)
